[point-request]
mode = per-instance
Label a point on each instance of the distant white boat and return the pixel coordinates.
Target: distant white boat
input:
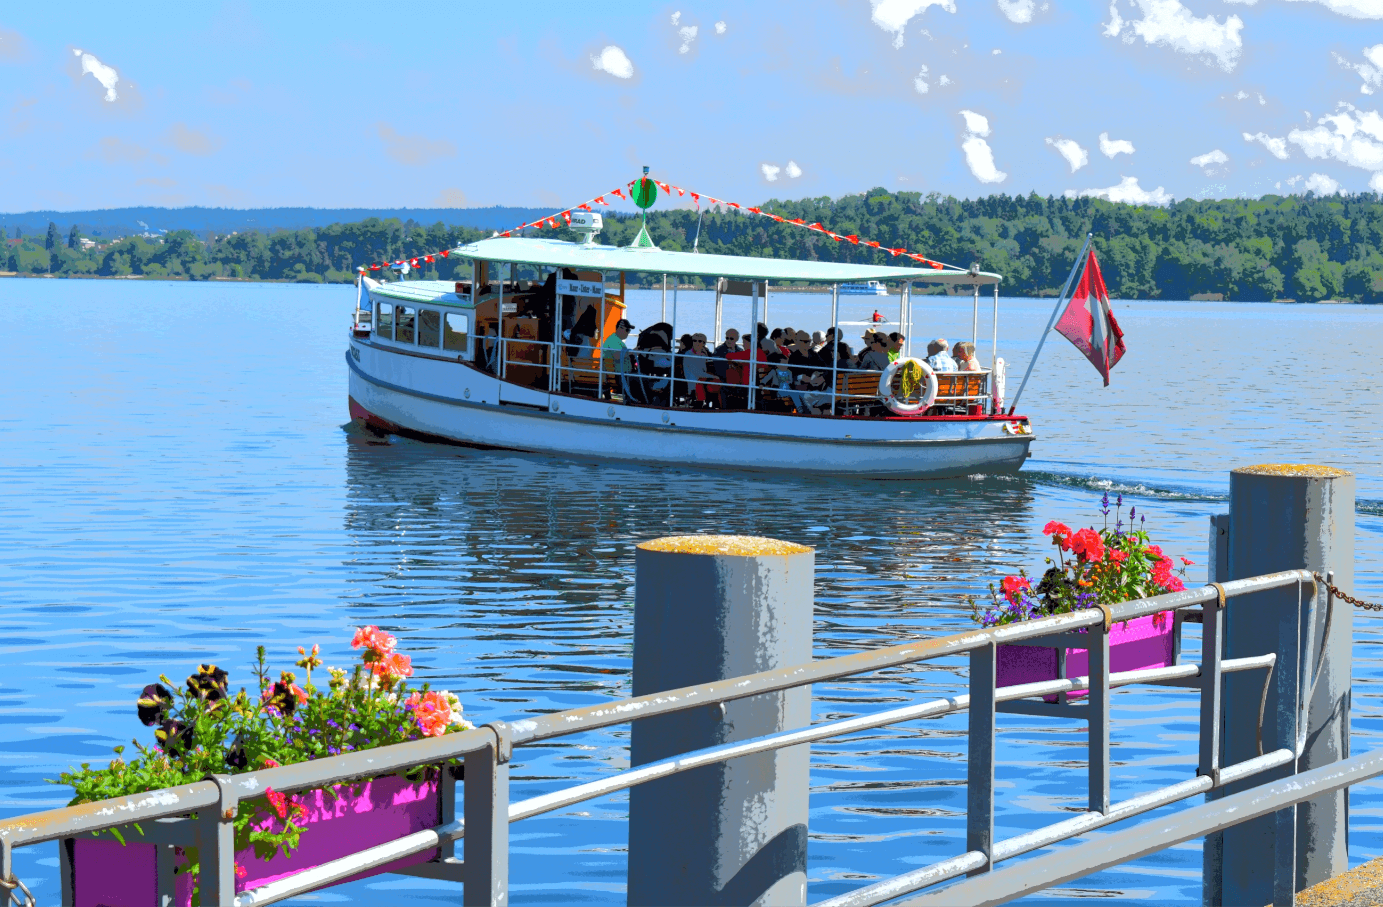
(867, 288)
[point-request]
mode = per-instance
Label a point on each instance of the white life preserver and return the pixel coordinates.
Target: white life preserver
(892, 401)
(997, 382)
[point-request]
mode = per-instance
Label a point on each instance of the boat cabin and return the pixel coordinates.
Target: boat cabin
(560, 334)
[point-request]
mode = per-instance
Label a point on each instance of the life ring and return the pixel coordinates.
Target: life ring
(892, 401)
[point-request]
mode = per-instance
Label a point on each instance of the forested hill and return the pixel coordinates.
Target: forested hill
(1293, 247)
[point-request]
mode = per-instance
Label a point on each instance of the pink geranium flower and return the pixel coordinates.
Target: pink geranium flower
(432, 711)
(375, 639)
(1012, 585)
(1087, 545)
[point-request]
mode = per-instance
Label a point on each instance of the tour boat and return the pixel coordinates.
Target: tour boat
(492, 362)
(865, 288)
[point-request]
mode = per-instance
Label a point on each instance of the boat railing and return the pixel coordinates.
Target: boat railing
(487, 751)
(614, 374)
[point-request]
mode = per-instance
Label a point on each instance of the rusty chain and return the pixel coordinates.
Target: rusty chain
(1367, 606)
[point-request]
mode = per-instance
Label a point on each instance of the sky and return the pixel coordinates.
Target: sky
(243, 104)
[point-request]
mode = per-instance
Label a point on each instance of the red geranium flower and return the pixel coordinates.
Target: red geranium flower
(1088, 545)
(1012, 585)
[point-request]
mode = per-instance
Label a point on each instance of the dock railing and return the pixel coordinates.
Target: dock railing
(1292, 672)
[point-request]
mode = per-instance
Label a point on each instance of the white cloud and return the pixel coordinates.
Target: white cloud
(1352, 137)
(793, 171)
(1075, 155)
(1168, 23)
(1371, 71)
(944, 80)
(975, 123)
(979, 157)
(1276, 147)
(920, 83)
(1355, 9)
(614, 61)
(996, 51)
(676, 17)
(102, 73)
(1128, 192)
(720, 27)
(1376, 182)
(770, 171)
(1210, 160)
(688, 34)
(1321, 184)
(893, 15)
(1118, 146)
(1019, 11)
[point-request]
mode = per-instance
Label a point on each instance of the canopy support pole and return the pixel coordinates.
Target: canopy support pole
(765, 304)
(1057, 309)
(719, 304)
(902, 309)
(555, 352)
(835, 339)
(975, 320)
(994, 345)
(600, 344)
(674, 290)
(499, 344)
(753, 371)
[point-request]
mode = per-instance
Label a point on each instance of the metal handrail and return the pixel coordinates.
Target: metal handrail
(498, 739)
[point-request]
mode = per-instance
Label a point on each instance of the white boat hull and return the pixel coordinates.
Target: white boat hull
(451, 401)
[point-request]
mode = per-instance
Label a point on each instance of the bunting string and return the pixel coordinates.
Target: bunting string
(551, 222)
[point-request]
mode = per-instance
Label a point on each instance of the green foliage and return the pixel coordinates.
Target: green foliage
(202, 728)
(1275, 247)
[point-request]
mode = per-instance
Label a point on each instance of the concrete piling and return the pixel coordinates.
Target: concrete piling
(709, 608)
(1285, 517)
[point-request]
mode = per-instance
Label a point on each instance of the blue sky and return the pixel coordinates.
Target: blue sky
(254, 104)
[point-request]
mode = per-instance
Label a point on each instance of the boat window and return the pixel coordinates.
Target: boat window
(403, 329)
(454, 335)
(429, 328)
(385, 326)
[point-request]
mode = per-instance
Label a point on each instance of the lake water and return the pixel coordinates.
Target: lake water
(179, 486)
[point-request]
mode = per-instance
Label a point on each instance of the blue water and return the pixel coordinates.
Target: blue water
(180, 486)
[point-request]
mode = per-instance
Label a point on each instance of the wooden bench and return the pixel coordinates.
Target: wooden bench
(582, 375)
(955, 391)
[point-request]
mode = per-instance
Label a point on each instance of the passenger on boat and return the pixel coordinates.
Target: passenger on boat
(738, 378)
(938, 358)
(701, 380)
(818, 341)
(780, 340)
(895, 346)
(779, 378)
(875, 359)
(617, 353)
(719, 364)
(964, 354)
(845, 357)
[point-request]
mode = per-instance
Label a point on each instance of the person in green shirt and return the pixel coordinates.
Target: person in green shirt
(895, 346)
(616, 354)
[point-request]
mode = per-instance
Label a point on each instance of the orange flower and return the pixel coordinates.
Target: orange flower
(395, 665)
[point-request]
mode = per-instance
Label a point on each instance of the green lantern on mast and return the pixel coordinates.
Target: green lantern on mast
(644, 193)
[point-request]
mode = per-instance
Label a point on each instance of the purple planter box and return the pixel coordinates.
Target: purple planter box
(1143, 642)
(352, 817)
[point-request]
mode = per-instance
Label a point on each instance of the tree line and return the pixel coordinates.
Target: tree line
(1305, 248)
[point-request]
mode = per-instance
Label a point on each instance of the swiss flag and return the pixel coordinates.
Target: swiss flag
(1089, 323)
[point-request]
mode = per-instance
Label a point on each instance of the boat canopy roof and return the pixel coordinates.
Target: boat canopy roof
(442, 292)
(556, 253)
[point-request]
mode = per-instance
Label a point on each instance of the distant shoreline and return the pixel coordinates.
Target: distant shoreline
(183, 279)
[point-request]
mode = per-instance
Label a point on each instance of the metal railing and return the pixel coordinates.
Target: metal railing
(487, 751)
(604, 373)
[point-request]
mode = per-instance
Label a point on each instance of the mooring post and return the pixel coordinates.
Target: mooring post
(735, 833)
(1285, 517)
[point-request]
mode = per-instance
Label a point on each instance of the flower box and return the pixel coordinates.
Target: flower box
(343, 820)
(1143, 642)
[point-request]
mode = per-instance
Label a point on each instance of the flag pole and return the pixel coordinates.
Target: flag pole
(1060, 299)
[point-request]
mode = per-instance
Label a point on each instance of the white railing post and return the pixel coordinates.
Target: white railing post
(979, 785)
(216, 846)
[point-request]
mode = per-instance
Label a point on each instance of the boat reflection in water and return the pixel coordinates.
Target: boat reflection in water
(510, 577)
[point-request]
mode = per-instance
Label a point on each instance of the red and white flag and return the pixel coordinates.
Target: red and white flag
(1089, 323)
